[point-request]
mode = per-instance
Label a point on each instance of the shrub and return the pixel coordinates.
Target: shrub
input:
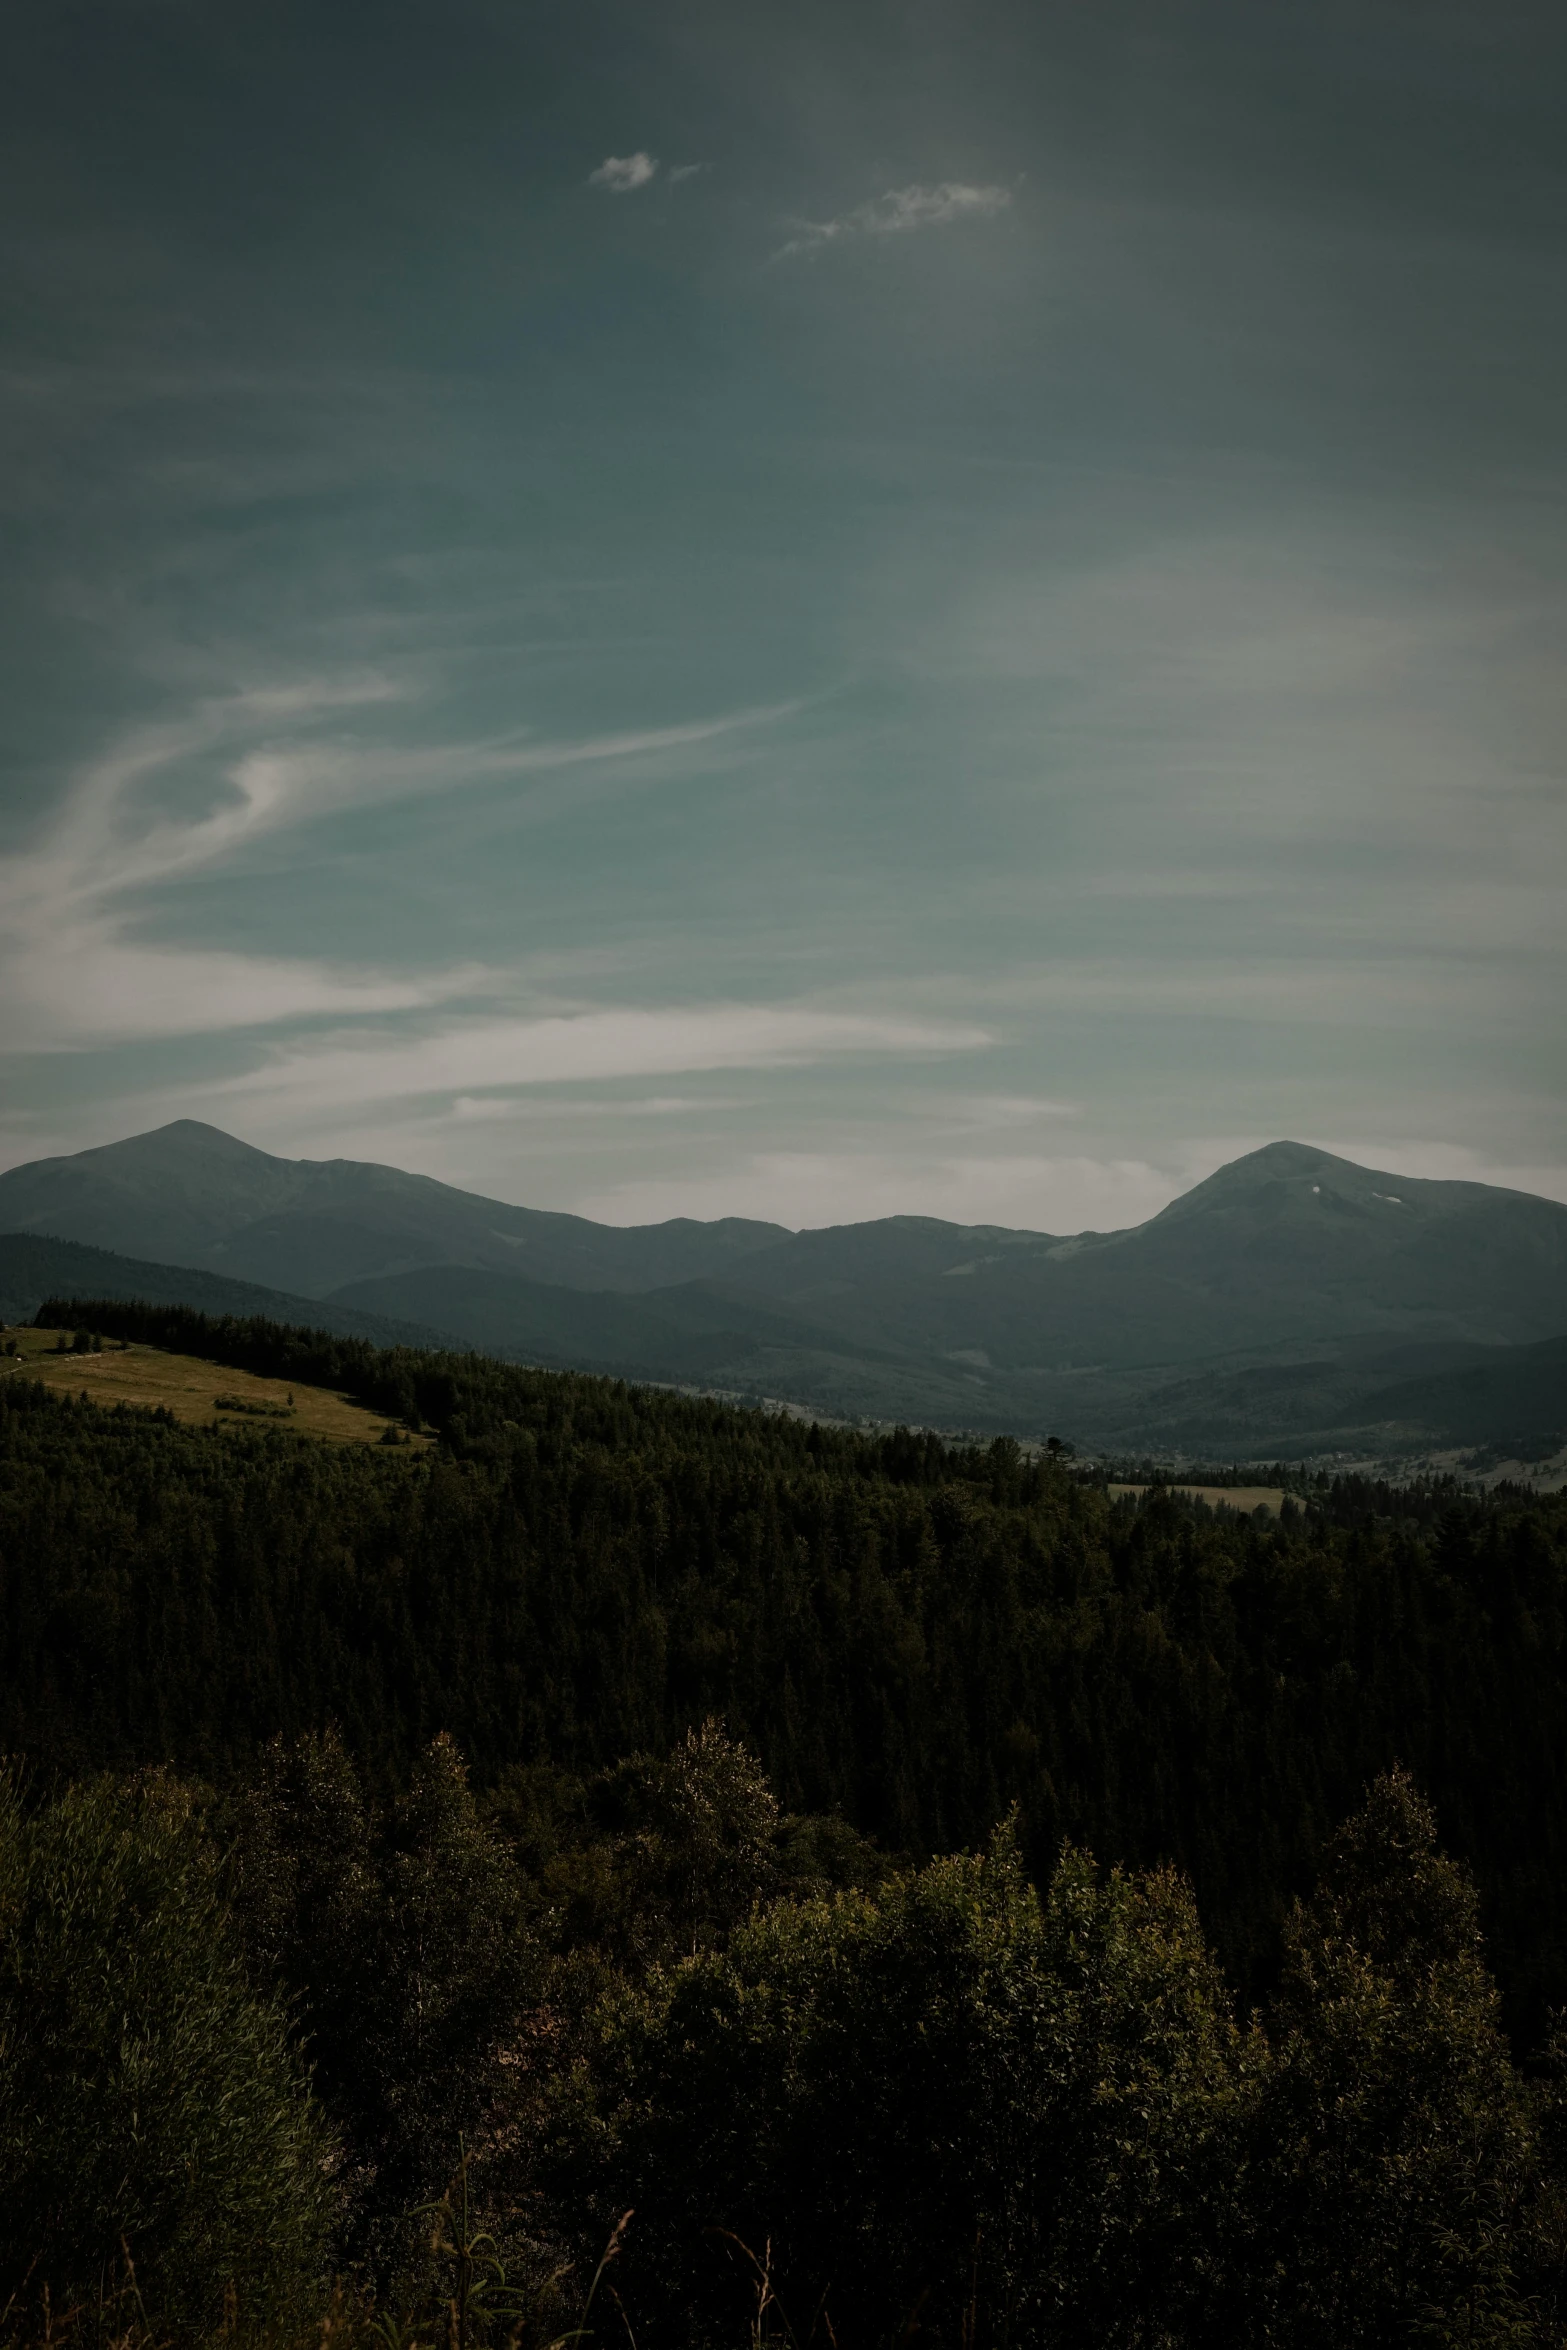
(149, 2100)
(401, 1942)
(1395, 2142)
(948, 2099)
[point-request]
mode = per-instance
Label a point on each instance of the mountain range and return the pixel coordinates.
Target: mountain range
(1291, 1303)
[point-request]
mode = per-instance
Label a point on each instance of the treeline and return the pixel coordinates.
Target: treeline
(910, 1636)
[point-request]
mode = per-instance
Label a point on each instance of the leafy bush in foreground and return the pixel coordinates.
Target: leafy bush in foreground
(952, 2095)
(402, 1946)
(947, 2103)
(1394, 2147)
(149, 2095)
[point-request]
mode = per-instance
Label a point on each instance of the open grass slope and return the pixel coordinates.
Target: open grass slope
(1244, 1500)
(201, 1394)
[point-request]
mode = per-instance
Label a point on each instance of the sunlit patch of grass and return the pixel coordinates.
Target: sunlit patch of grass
(198, 1392)
(1244, 1498)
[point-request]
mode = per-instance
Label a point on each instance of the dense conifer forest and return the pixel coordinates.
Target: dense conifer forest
(930, 1896)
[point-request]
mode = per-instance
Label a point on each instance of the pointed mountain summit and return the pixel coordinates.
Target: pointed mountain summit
(1294, 1179)
(1363, 1243)
(168, 1194)
(189, 1194)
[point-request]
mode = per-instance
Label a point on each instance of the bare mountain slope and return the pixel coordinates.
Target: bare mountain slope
(1286, 1246)
(190, 1194)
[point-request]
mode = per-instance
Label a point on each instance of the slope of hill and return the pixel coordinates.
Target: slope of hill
(1518, 1397)
(33, 1268)
(686, 1333)
(1376, 1402)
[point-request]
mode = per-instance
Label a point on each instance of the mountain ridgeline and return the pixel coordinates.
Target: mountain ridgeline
(1291, 1303)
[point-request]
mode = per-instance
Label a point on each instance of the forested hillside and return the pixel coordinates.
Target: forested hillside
(913, 1634)
(825, 1877)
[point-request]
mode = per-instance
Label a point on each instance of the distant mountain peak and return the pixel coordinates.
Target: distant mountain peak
(1252, 1177)
(184, 1138)
(1287, 1158)
(1273, 1161)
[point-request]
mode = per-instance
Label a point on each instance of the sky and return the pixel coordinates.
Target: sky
(808, 610)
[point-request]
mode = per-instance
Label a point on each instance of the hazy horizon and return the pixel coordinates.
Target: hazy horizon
(799, 613)
(623, 1221)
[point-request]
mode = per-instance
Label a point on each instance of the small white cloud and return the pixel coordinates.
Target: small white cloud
(622, 175)
(1011, 1109)
(898, 211)
(491, 1109)
(684, 171)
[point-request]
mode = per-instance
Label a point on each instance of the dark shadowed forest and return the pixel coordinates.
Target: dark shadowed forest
(931, 1899)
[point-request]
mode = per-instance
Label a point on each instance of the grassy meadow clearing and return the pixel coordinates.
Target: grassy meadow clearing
(196, 1392)
(1244, 1498)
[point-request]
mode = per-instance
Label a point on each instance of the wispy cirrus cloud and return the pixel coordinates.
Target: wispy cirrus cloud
(87, 960)
(492, 1054)
(78, 966)
(897, 212)
(622, 175)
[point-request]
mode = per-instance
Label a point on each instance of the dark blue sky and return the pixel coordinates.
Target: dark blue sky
(789, 609)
